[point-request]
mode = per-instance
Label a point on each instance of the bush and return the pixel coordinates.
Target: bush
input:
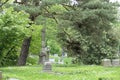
(32, 59)
(67, 60)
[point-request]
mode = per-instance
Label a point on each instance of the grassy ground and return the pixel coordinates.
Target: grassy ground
(62, 73)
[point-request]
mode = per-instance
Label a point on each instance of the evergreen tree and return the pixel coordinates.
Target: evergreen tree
(85, 30)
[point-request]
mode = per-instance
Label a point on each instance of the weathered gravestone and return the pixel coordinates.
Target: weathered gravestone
(106, 62)
(47, 67)
(52, 60)
(42, 57)
(13, 79)
(0, 75)
(115, 62)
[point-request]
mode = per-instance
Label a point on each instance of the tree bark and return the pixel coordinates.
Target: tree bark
(24, 52)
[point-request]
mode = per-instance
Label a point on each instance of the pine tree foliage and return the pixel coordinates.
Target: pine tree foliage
(86, 29)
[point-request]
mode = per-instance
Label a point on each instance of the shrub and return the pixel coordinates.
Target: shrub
(32, 59)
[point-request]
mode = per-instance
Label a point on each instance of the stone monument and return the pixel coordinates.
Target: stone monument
(47, 67)
(42, 57)
(48, 53)
(13, 79)
(115, 62)
(43, 53)
(106, 62)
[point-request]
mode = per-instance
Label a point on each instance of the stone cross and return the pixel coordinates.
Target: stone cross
(43, 54)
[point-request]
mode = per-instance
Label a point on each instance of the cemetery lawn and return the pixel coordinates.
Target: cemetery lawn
(90, 72)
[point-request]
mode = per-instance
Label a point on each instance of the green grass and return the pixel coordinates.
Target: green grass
(62, 73)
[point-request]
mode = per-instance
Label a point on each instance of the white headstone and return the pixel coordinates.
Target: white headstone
(13, 79)
(61, 62)
(106, 62)
(55, 55)
(65, 54)
(52, 60)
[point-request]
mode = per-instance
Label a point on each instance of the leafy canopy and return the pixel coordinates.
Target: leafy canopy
(12, 29)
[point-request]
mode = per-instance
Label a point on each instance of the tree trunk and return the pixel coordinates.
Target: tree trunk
(26, 43)
(24, 52)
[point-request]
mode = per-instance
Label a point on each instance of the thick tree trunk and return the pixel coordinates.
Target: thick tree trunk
(24, 52)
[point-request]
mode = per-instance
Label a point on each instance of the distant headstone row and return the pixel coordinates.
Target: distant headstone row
(113, 62)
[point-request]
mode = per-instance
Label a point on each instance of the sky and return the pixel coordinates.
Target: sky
(115, 0)
(75, 2)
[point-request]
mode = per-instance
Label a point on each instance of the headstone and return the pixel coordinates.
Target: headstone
(55, 55)
(0, 75)
(52, 60)
(60, 62)
(116, 62)
(65, 54)
(47, 67)
(13, 79)
(106, 62)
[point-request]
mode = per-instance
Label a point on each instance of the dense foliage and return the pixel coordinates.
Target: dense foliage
(85, 30)
(12, 29)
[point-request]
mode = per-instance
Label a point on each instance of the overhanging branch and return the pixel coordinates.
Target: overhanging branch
(52, 16)
(3, 3)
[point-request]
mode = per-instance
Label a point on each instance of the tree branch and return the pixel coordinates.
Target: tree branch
(65, 6)
(3, 3)
(52, 16)
(68, 35)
